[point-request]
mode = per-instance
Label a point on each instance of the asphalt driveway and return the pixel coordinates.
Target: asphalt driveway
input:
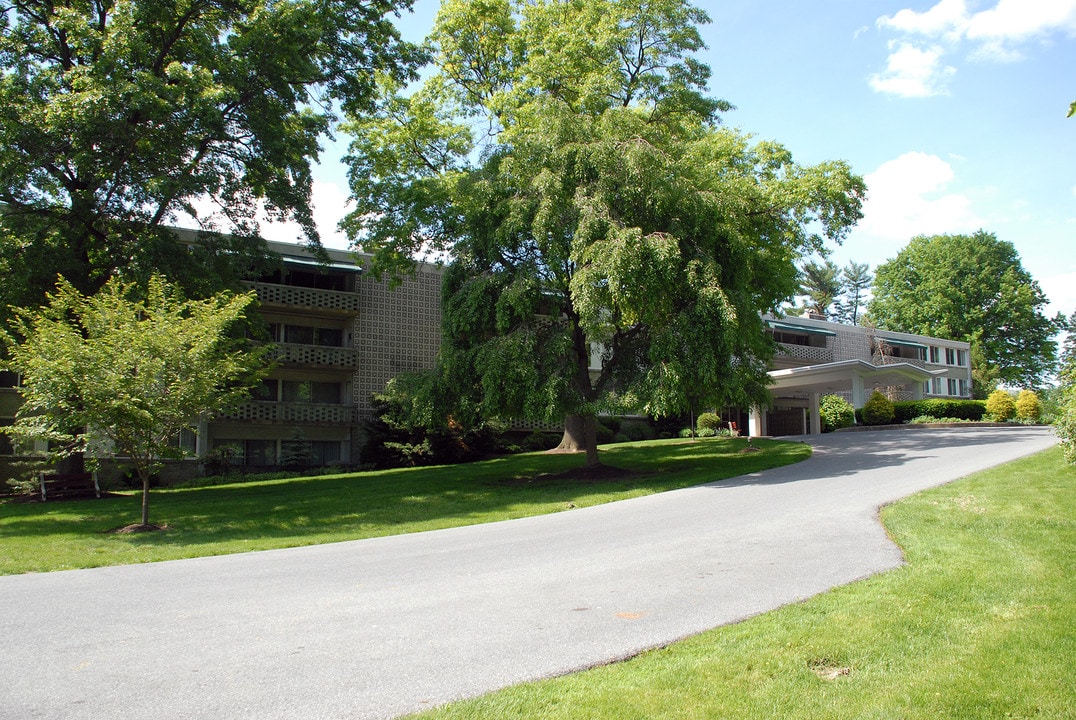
(378, 628)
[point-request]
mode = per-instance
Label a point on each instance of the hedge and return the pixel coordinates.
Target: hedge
(906, 410)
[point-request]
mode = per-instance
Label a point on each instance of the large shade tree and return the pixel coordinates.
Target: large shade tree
(972, 288)
(118, 116)
(126, 370)
(611, 245)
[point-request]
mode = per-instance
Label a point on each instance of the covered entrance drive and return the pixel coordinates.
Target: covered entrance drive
(796, 392)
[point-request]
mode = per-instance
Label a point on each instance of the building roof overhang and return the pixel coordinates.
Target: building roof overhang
(839, 376)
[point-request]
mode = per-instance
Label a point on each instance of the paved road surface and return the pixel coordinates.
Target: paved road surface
(378, 628)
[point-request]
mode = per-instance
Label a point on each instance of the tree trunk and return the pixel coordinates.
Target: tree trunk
(581, 434)
(145, 497)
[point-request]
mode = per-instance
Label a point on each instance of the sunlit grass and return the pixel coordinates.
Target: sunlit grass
(980, 623)
(305, 511)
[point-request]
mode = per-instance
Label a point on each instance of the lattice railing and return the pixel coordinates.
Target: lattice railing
(301, 297)
(806, 352)
(316, 355)
(301, 413)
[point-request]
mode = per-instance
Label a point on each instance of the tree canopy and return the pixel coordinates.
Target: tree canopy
(117, 116)
(821, 284)
(971, 288)
(611, 245)
(125, 371)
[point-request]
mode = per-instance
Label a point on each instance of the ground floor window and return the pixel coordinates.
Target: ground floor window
(265, 453)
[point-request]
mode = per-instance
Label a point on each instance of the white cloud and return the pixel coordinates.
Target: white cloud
(913, 72)
(906, 198)
(947, 18)
(995, 35)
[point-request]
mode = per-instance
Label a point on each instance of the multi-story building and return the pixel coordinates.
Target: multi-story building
(341, 335)
(815, 357)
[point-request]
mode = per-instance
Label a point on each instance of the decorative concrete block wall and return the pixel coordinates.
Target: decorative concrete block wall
(398, 330)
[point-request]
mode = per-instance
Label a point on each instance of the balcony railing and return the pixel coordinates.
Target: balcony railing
(299, 413)
(331, 301)
(806, 352)
(878, 359)
(316, 356)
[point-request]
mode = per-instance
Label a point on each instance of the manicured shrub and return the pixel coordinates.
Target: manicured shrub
(905, 410)
(836, 413)
(878, 410)
(635, 430)
(709, 420)
(1028, 407)
(1000, 406)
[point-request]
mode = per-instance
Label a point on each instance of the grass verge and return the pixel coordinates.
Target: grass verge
(223, 519)
(980, 623)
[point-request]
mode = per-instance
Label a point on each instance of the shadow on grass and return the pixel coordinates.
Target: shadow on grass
(299, 511)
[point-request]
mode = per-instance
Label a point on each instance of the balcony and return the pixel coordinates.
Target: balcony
(805, 352)
(291, 413)
(316, 356)
(326, 302)
(879, 359)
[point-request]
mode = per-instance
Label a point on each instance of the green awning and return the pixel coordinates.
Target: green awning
(776, 325)
(331, 265)
(902, 343)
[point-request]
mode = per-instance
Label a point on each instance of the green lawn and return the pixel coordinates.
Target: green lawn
(980, 623)
(40, 537)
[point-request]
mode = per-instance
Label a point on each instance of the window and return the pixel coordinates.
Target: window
(964, 389)
(954, 386)
(935, 354)
(937, 386)
(305, 335)
(260, 452)
(308, 391)
(956, 357)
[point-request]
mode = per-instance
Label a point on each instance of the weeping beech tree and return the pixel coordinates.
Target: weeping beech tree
(610, 244)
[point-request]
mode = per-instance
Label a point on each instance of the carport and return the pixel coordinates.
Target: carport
(854, 377)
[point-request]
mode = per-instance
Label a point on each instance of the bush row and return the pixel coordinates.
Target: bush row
(907, 410)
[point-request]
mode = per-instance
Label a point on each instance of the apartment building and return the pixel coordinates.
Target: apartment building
(816, 357)
(341, 336)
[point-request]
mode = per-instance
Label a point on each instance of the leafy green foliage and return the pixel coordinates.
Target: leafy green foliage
(856, 280)
(402, 435)
(115, 117)
(1028, 407)
(878, 410)
(709, 420)
(906, 410)
(971, 288)
(611, 245)
(836, 413)
(821, 284)
(1065, 420)
(124, 371)
(1000, 405)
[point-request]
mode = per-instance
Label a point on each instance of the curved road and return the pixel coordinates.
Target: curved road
(378, 628)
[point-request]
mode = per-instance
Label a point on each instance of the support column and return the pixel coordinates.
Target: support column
(756, 422)
(816, 417)
(201, 439)
(858, 401)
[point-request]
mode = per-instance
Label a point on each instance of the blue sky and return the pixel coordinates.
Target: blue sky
(953, 111)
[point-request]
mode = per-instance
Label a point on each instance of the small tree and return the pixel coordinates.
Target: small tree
(124, 371)
(1028, 407)
(1000, 405)
(835, 413)
(878, 410)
